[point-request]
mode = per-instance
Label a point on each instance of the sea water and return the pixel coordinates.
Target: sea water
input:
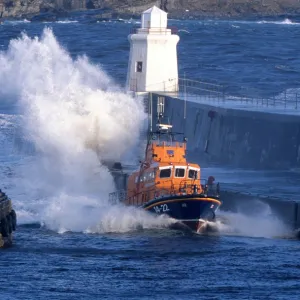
(64, 110)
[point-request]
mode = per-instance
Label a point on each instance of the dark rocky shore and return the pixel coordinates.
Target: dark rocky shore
(133, 8)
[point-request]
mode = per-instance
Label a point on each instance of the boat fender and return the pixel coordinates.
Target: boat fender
(14, 219)
(4, 227)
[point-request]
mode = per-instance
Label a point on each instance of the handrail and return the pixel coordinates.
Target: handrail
(213, 92)
(174, 189)
(173, 29)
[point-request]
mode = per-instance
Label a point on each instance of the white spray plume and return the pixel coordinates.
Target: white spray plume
(261, 222)
(71, 110)
(74, 115)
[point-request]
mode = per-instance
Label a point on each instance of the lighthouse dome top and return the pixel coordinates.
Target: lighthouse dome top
(154, 18)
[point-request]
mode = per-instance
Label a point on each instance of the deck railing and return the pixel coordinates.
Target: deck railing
(186, 187)
(174, 30)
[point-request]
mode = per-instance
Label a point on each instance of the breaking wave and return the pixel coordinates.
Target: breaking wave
(96, 217)
(75, 117)
(66, 21)
(16, 22)
(261, 222)
(262, 225)
(284, 22)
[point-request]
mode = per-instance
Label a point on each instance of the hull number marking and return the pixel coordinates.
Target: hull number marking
(161, 208)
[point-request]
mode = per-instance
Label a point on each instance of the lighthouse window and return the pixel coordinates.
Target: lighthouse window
(179, 172)
(165, 173)
(139, 66)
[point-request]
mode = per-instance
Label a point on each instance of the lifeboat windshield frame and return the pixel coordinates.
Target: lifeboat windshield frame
(160, 138)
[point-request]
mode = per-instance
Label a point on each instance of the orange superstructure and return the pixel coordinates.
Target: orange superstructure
(165, 171)
(166, 183)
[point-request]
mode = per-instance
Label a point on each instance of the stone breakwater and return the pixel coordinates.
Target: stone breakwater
(176, 8)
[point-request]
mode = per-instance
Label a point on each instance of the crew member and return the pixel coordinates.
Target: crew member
(210, 187)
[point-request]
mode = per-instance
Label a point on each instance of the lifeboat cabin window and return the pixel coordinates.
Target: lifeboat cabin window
(165, 172)
(180, 172)
(149, 176)
(193, 174)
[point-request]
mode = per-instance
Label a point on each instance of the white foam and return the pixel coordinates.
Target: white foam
(124, 219)
(16, 22)
(74, 115)
(88, 215)
(261, 223)
(183, 30)
(66, 22)
(286, 21)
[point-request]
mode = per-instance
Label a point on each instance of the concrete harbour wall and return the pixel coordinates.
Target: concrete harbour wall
(241, 138)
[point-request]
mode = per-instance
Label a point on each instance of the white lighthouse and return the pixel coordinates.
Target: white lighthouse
(153, 55)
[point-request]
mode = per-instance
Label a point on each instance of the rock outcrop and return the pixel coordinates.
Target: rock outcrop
(178, 8)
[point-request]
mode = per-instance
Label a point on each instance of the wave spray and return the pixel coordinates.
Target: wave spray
(76, 117)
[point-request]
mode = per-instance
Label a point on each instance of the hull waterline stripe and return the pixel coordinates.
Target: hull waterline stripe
(181, 200)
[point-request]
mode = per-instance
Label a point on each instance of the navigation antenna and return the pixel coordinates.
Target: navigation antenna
(184, 85)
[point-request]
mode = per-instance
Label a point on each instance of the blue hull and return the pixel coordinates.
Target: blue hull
(190, 210)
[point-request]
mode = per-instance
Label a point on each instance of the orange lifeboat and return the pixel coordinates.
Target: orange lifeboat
(166, 183)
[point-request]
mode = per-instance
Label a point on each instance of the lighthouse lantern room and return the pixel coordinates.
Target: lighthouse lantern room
(153, 55)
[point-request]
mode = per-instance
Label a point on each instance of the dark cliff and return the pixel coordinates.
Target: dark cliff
(178, 8)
